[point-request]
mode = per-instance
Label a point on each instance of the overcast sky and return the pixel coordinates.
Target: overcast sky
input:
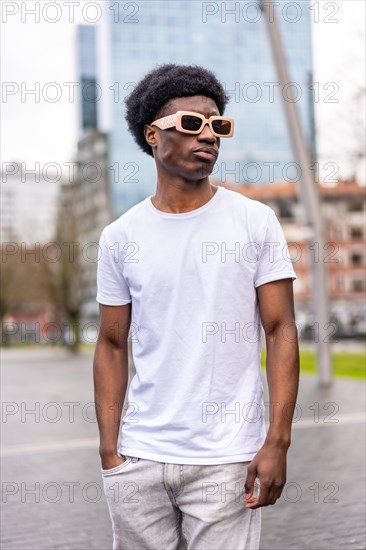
(44, 52)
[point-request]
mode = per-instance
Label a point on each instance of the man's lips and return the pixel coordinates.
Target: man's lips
(206, 153)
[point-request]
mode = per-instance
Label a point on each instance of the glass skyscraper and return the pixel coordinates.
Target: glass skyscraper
(88, 77)
(228, 38)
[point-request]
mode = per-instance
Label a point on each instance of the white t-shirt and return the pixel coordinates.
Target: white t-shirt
(197, 395)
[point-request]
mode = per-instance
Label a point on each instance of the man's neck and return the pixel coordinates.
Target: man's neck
(175, 198)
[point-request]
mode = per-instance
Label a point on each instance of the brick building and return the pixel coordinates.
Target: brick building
(343, 208)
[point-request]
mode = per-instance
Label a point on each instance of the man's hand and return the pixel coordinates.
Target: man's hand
(112, 461)
(269, 465)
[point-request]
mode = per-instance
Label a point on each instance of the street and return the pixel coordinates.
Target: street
(52, 494)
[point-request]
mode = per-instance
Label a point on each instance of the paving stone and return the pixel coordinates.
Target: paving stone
(322, 507)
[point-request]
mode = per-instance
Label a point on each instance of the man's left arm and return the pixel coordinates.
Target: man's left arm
(276, 307)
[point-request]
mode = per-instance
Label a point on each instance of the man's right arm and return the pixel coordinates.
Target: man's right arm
(110, 371)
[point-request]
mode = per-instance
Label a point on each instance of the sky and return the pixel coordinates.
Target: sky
(37, 53)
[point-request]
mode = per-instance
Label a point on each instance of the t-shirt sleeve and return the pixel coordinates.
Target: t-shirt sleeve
(112, 288)
(274, 262)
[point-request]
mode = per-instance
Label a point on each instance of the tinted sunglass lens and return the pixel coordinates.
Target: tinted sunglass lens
(222, 127)
(192, 123)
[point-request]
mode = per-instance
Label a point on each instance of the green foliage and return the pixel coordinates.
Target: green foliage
(345, 364)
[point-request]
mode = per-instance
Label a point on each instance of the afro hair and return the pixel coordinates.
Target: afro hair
(163, 84)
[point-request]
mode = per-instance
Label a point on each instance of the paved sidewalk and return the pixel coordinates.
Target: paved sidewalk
(51, 488)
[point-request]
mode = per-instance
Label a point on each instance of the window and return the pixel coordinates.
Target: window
(358, 285)
(285, 209)
(356, 259)
(340, 283)
(355, 206)
(356, 232)
(336, 230)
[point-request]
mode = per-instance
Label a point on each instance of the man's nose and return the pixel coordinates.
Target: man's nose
(206, 134)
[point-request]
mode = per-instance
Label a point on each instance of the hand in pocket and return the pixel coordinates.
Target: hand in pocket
(112, 461)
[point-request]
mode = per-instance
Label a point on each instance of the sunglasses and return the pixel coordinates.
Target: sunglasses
(192, 123)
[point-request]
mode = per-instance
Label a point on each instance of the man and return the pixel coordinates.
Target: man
(191, 272)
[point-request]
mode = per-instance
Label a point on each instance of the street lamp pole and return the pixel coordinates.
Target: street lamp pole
(309, 196)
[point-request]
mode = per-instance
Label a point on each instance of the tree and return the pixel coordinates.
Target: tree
(65, 275)
(24, 282)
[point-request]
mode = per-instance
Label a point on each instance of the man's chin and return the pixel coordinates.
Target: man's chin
(194, 171)
(205, 172)
(204, 169)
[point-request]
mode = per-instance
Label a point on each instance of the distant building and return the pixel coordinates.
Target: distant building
(344, 211)
(86, 64)
(28, 203)
(89, 195)
(228, 38)
(86, 202)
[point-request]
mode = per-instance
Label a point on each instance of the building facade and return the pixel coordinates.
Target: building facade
(87, 74)
(228, 38)
(85, 205)
(29, 197)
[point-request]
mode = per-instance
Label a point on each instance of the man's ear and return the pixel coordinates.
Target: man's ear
(150, 135)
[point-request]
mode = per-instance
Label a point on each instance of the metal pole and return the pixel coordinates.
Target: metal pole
(309, 196)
